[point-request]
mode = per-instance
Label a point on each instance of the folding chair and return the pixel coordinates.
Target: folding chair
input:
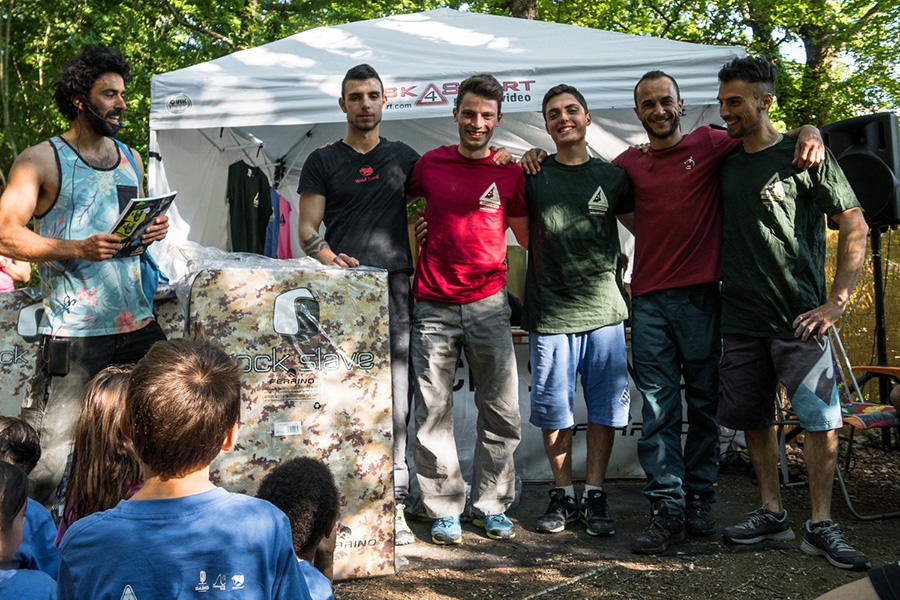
(861, 415)
(858, 414)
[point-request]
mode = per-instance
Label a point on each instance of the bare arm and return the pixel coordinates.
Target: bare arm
(851, 254)
(810, 149)
(312, 211)
(519, 226)
(627, 221)
(33, 182)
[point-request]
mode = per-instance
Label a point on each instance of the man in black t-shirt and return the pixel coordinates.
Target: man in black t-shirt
(356, 187)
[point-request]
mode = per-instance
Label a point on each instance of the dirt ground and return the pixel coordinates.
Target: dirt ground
(572, 565)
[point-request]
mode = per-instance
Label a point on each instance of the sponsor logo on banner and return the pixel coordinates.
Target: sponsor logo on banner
(437, 93)
(178, 103)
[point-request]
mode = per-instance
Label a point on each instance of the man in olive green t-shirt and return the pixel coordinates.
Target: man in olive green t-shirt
(775, 308)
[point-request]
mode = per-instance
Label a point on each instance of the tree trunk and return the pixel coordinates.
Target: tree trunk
(523, 9)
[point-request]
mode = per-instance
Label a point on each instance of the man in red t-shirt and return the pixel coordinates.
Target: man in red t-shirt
(461, 303)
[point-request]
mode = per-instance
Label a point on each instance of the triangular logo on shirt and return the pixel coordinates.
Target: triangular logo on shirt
(490, 199)
(598, 205)
(128, 594)
(773, 191)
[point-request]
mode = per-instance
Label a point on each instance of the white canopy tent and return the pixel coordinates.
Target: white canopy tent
(279, 101)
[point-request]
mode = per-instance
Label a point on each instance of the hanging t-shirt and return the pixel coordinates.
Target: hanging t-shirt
(271, 246)
(249, 207)
(284, 228)
(467, 202)
(365, 203)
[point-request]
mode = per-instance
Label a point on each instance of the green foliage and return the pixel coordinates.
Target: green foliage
(850, 65)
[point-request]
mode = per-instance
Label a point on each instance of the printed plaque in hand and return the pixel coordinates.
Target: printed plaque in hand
(139, 214)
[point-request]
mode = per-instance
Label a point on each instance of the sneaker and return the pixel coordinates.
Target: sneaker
(664, 529)
(446, 530)
(826, 539)
(403, 535)
(698, 516)
(497, 527)
(595, 514)
(561, 511)
(761, 524)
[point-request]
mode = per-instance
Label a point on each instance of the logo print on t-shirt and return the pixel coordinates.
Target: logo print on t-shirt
(690, 163)
(128, 594)
(773, 191)
(237, 581)
(598, 205)
(489, 201)
(368, 174)
(220, 582)
(202, 586)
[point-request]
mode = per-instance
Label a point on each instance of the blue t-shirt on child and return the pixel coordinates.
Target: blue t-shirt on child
(231, 545)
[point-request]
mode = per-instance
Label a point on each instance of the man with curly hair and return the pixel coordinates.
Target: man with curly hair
(95, 312)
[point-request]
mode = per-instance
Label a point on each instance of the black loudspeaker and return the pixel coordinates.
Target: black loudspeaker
(867, 150)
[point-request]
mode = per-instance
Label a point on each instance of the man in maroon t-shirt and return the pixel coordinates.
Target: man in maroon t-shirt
(461, 303)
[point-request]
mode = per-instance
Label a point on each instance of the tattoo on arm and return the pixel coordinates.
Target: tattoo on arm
(314, 245)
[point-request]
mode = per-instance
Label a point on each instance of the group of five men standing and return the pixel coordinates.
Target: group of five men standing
(575, 308)
(774, 310)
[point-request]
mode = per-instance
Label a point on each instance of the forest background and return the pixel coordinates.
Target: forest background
(836, 59)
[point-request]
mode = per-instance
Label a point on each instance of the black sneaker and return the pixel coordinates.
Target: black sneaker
(664, 529)
(595, 514)
(697, 516)
(826, 539)
(761, 524)
(561, 511)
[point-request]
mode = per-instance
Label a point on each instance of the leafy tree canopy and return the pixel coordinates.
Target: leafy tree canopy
(849, 65)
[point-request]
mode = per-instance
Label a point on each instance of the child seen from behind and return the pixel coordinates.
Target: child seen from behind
(304, 489)
(180, 535)
(21, 446)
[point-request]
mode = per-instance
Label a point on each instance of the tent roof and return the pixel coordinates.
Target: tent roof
(421, 58)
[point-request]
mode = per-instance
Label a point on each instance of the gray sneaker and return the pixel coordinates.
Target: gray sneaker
(403, 535)
(561, 511)
(826, 539)
(761, 524)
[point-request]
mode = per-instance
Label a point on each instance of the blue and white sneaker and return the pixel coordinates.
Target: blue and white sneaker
(446, 530)
(497, 527)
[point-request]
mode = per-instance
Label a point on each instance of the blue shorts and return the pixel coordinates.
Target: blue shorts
(556, 359)
(750, 372)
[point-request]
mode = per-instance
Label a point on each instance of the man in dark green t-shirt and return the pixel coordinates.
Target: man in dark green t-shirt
(575, 307)
(776, 310)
